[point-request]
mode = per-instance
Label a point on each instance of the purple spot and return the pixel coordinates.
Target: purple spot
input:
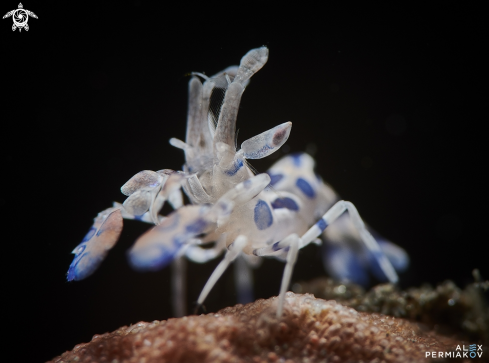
(196, 227)
(258, 154)
(305, 188)
(263, 215)
(234, 169)
(285, 202)
(343, 263)
(276, 246)
(275, 178)
(75, 274)
(278, 137)
(296, 159)
(153, 258)
(89, 235)
(321, 224)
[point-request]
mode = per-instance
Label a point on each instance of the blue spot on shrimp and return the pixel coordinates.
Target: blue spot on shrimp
(262, 215)
(285, 202)
(305, 187)
(275, 178)
(235, 167)
(230, 210)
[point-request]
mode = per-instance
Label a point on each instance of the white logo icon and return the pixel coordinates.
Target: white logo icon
(20, 17)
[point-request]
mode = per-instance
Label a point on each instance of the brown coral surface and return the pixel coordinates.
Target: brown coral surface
(446, 308)
(311, 330)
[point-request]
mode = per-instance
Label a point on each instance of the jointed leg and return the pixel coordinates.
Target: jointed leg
(198, 254)
(331, 215)
(233, 252)
(293, 241)
(179, 283)
(289, 245)
(171, 186)
(178, 279)
(243, 278)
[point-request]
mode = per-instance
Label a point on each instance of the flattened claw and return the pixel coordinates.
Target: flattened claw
(194, 117)
(154, 257)
(159, 246)
(142, 189)
(145, 178)
(251, 63)
(92, 251)
(140, 201)
(267, 142)
(231, 71)
(172, 185)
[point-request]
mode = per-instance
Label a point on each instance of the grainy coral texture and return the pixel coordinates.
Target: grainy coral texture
(311, 330)
(446, 307)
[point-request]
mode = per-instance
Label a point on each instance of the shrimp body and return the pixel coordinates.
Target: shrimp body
(241, 214)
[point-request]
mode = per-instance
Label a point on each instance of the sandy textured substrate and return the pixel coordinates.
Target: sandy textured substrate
(446, 308)
(311, 330)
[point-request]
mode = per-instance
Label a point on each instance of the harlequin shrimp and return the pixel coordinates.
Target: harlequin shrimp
(233, 210)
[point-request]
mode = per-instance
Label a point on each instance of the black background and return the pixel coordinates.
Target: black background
(392, 99)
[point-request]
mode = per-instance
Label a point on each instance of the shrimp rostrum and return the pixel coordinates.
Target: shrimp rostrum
(242, 214)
